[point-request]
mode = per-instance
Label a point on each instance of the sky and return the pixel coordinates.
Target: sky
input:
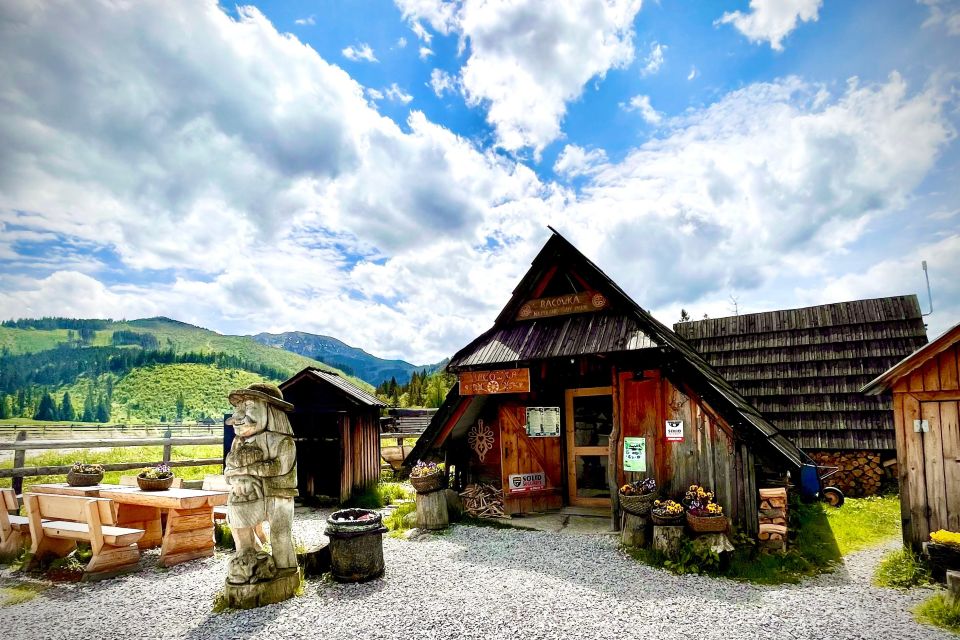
(384, 172)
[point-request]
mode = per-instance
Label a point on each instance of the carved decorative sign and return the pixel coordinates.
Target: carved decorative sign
(480, 438)
(479, 383)
(582, 302)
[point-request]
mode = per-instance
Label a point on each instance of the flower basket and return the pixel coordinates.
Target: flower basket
(637, 505)
(666, 521)
(429, 483)
(706, 524)
(154, 484)
(75, 479)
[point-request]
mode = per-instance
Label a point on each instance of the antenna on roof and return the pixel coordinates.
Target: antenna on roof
(926, 274)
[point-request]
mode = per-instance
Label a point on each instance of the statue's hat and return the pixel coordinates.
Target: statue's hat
(261, 391)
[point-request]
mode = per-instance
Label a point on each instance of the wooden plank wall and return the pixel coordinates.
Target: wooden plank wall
(522, 454)
(366, 451)
(929, 463)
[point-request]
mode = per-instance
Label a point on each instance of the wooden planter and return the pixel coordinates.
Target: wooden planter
(943, 558)
(432, 482)
(150, 484)
(75, 479)
(637, 505)
(706, 524)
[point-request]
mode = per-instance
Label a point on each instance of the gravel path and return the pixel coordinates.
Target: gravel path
(480, 583)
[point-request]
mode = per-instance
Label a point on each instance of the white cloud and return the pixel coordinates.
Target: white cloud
(642, 104)
(576, 161)
(441, 82)
(309, 21)
(425, 52)
(527, 58)
(420, 32)
(654, 59)
(693, 73)
(395, 93)
(772, 20)
(402, 42)
(374, 94)
(361, 52)
(943, 12)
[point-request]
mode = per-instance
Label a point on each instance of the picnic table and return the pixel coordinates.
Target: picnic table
(188, 533)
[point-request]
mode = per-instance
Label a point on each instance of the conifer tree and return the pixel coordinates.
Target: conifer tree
(89, 408)
(180, 406)
(4, 408)
(103, 411)
(67, 414)
(47, 410)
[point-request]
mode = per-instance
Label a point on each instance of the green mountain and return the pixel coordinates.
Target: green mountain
(338, 354)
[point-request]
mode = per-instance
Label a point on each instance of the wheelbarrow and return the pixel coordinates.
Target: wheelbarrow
(812, 487)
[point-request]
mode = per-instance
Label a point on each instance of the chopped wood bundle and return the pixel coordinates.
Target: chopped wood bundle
(773, 518)
(483, 501)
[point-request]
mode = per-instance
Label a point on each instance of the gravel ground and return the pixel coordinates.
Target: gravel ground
(479, 583)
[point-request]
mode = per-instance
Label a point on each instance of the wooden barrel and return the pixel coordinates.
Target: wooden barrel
(356, 545)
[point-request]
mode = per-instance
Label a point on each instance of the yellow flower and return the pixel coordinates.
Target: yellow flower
(946, 537)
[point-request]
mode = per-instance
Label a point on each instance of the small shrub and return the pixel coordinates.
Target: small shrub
(223, 536)
(692, 557)
(902, 569)
(393, 491)
(220, 602)
(366, 499)
(940, 611)
(396, 519)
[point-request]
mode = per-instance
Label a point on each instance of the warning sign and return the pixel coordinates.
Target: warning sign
(523, 482)
(674, 430)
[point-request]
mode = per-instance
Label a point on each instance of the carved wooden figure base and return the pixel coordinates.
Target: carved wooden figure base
(667, 539)
(249, 596)
(432, 510)
(634, 532)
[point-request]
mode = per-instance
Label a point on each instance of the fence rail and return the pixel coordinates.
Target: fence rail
(9, 431)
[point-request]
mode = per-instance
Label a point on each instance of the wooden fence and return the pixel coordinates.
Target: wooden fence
(10, 431)
(22, 444)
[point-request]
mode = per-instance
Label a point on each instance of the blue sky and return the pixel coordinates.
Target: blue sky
(383, 172)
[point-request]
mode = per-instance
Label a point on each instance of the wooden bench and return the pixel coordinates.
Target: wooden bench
(58, 522)
(14, 529)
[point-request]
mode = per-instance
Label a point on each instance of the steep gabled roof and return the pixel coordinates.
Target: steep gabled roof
(348, 390)
(803, 368)
(645, 331)
(912, 362)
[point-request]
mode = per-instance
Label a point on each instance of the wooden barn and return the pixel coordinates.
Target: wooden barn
(337, 428)
(576, 389)
(803, 369)
(926, 404)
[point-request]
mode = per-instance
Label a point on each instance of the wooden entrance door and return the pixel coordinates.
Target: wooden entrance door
(589, 421)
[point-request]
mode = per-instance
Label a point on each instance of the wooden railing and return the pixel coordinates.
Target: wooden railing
(22, 444)
(10, 431)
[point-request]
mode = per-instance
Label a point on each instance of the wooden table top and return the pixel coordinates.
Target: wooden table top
(64, 489)
(166, 499)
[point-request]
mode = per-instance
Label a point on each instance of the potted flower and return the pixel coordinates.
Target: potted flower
(637, 497)
(82, 474)
(428, 476)
(155, 478)
(666, 513)
(703, 514)
(944, 552)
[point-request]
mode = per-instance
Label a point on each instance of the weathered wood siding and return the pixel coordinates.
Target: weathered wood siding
(360, 452)
(520, 453)
(929, 463)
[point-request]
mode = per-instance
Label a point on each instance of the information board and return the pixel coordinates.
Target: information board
(635, 454)
(543, 422)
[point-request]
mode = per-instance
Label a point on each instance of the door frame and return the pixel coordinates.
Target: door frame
(573, 451)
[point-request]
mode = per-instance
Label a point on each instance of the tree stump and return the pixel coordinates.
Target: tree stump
(259, 594)
(667, 539)
(718, 542)
(432, 510)
(953, 586)
(634, 530)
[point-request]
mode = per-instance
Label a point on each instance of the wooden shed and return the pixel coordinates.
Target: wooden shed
(803, 369)
(576, 389)
(926, 404)
(337, 429)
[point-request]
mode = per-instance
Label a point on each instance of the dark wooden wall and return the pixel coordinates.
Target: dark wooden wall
(929, 463)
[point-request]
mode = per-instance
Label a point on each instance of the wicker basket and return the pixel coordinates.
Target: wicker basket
(637, 505)
(153, 484)
(706, 524)
(75, 479)
(670, 521)
(429, 483)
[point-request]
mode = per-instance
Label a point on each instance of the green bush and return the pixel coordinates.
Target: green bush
(393, 491)
(366, 499)
(940, 611)
(396, 519)
(223, 536)
(902, 569)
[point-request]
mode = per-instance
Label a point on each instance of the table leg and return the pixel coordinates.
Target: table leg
(189, 535)
(135, 516)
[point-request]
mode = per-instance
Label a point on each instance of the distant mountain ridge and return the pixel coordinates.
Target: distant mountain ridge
(338, 354)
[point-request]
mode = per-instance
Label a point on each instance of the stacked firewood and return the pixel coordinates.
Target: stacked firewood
(773, 519)
(483, 501)
(861, 472)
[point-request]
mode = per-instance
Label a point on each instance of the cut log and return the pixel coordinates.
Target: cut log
(667, 539)
(953, 586)
(776, 531)
(634, 530)
(432, 510)
(718, 542)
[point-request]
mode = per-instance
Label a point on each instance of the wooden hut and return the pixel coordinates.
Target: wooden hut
(803, 369)
(926, 404)
(337, 428)
(576, 389)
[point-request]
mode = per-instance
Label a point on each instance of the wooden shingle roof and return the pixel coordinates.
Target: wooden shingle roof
(804, 368)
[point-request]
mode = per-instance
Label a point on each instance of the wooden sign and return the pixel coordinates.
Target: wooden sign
(582, 302)
(480, 383)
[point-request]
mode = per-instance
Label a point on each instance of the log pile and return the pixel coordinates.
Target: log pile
(483, 501)
(861, 472)
(773, 519)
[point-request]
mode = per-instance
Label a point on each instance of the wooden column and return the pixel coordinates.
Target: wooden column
(19, 458)
(432, 510)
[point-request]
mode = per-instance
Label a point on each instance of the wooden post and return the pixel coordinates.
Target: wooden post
(634, 530)
(432, 510)
(19, 459)
(167, 448)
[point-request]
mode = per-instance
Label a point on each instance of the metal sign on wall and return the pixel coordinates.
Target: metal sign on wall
(478, 383)
(543, 422)
(582, 302)
(674, 431)
(522, 482)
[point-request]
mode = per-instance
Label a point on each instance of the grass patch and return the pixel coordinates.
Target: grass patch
(396, 520)
(902, 569)
(391, 492)
(366, 499)
(864, 522)
(940, 611)
(20, 593)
